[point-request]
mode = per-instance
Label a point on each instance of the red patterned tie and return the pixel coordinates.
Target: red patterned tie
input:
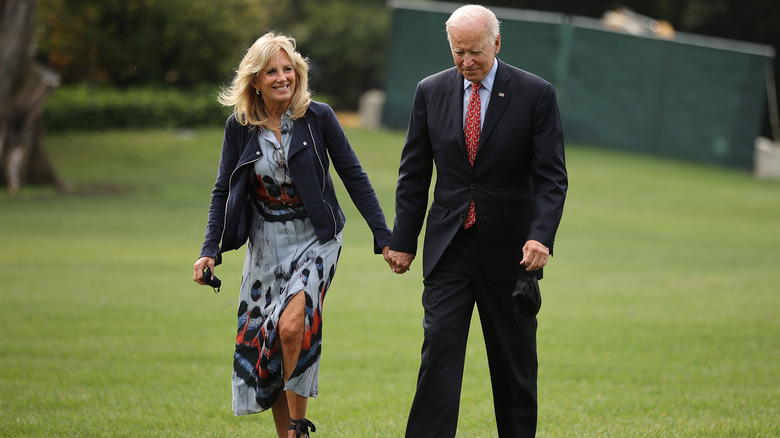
(471, 131)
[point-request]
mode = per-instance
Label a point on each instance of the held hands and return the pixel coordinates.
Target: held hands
(200, 266)
(535, 255)
(399, 261)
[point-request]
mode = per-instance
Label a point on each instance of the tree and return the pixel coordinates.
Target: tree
(345, 41)
(122, 43)
(188, 43)
(24, 87)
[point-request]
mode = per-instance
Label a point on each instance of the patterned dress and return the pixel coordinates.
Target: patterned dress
(283, 258)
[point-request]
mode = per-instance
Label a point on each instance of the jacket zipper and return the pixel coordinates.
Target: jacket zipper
(227, 200)
(324, 174)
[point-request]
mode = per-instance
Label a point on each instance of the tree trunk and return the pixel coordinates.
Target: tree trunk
(24, 87)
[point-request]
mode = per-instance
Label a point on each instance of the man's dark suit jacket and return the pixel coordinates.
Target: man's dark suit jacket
(518, 181)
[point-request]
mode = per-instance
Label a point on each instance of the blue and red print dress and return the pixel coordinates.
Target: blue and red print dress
(283, 258)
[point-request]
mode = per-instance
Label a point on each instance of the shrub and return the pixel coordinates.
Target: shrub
(87, 108)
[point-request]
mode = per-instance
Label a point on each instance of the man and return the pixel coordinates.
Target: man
(498, 200)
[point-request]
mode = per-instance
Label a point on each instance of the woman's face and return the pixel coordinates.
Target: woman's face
(276, 81)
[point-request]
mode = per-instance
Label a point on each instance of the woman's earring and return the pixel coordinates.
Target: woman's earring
(257, 91)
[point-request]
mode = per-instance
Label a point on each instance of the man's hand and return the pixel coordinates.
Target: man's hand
(535, 255)
(399, 261)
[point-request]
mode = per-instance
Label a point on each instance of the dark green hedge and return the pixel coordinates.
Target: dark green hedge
(86, 108)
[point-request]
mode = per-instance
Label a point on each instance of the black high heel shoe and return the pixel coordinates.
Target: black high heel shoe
(301, 427)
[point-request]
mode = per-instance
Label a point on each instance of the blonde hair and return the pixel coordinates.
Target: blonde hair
(241, 95)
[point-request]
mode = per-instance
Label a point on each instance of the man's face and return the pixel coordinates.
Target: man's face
(473, 52)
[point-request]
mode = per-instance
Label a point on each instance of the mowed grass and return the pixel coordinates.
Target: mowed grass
(660, 316)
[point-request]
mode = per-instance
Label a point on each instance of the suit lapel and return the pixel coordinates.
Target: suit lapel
(455, 101)
(499, 97)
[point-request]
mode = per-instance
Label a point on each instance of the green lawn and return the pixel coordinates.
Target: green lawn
(660, 316)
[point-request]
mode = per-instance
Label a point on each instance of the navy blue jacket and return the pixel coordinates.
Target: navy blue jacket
(518, 181)
(317, 138)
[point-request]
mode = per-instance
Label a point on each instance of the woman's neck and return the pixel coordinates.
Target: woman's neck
(275, 112)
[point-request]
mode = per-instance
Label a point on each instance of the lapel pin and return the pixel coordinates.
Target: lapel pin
(500, 94)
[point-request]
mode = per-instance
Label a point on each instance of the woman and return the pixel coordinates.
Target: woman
(274, 191)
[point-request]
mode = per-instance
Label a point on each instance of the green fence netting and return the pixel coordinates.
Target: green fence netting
(694, 98)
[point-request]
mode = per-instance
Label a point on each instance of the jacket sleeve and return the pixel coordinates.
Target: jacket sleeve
(549, 169)
(414, 179)
(355, 179)
(216, 217)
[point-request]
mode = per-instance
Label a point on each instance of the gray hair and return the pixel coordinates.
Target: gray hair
(470, 15)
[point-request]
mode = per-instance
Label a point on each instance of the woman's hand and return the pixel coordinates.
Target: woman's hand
(200, 266)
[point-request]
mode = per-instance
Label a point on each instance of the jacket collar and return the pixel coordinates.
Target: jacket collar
(301, 138)
(499, 97)
(252, 149)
